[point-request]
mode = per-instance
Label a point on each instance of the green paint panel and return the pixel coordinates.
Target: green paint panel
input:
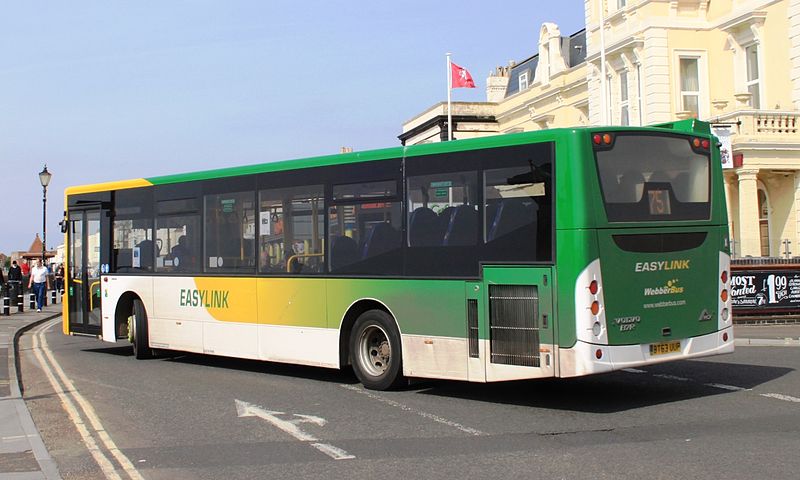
(669, 290)
(421, 307)
(576, 250)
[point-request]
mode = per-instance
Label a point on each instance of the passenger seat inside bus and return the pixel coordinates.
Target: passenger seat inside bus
(423, 228)
(183, 254)
(631, 185)
(463, 228)
(380, 239)
(145, 254)
(511, 214)
(344, 251)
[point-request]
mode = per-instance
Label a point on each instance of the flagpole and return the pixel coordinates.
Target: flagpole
(449, 88)
(603, 80)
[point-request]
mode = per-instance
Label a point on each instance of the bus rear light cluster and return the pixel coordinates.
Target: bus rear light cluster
(590, 316)
(724, 290)
(701, 143)
(598, 354)
(725, 337)
(602, 139)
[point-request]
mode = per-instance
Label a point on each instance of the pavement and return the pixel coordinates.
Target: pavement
(23, 455)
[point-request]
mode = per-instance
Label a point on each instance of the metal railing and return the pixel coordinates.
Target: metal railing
(762, 123)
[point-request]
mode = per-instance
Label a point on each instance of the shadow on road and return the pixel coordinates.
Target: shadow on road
(616, 391)
(270, 368)
(606, 393)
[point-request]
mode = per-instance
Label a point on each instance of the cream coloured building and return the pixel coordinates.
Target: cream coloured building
(734, 63)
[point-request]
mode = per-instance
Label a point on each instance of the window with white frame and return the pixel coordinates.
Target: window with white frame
(753, 78)
(639, 93)
(523, 81)
(763, 221)
(621, 4)
(609, 105)
(690, 85)
(624, 115)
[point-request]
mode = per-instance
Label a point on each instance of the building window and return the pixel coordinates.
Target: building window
(690, 85)
(523, 81)
(609, 105)
(763, 221)
(753, 78)
(621, 4)
(624, 104)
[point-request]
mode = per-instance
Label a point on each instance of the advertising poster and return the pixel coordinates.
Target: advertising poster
(723, 132)
(766, 290)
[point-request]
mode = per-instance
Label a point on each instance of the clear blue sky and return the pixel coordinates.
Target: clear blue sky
(106, 91)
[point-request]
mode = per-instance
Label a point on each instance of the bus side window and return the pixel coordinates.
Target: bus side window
(291, 230)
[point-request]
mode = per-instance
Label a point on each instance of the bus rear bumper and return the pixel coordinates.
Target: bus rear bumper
(581, 359)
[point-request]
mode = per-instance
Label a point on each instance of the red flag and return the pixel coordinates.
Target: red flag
(460, 77)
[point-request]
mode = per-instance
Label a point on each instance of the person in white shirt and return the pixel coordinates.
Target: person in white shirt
(40, 282)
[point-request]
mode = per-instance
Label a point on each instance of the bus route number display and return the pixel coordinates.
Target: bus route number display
(766, 290)
(659, 202)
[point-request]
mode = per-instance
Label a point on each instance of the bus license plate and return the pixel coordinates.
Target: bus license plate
(664, 348)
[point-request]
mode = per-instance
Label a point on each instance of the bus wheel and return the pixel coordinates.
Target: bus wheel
(137, 331)
(375, 351)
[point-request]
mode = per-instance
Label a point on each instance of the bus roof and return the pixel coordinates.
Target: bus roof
(684, 126)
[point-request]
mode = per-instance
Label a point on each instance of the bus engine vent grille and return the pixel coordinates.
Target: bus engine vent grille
(472, 324)
(514, 324)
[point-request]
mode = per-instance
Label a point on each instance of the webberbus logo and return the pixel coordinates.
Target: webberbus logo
(671, 288)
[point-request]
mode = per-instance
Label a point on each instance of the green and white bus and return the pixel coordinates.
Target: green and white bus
(555, 253)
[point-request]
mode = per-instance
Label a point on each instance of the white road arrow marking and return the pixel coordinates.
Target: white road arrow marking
(245, 409)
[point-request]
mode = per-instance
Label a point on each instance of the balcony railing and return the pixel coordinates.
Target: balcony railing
(769, 125)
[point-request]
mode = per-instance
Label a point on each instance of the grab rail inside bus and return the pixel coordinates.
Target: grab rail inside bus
(291, 259)
(91, 297)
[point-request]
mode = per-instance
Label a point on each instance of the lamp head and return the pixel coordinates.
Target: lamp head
(44, 176)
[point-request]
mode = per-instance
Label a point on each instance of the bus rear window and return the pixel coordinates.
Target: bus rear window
(654, 178)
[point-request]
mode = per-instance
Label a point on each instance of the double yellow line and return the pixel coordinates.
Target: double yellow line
(78, 408)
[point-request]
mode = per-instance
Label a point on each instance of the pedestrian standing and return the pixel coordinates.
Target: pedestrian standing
(26, 269)
(14, 273)
(14, 280)
(60, 277)
(40, 282)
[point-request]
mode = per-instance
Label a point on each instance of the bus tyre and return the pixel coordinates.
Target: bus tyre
(375, 351)
(137, 331)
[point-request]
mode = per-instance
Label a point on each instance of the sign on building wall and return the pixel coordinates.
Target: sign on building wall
(763, 290)
(723, 132)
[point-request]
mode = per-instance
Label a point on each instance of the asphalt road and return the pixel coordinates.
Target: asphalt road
(191, 416)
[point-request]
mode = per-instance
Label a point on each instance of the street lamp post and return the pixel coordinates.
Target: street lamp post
(44, 179)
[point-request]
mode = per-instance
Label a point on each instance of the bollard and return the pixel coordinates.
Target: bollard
(20, 302)
(31, 301)
(53, 297)
(6, 306)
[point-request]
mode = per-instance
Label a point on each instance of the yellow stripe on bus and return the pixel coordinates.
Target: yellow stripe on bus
(102, 187)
